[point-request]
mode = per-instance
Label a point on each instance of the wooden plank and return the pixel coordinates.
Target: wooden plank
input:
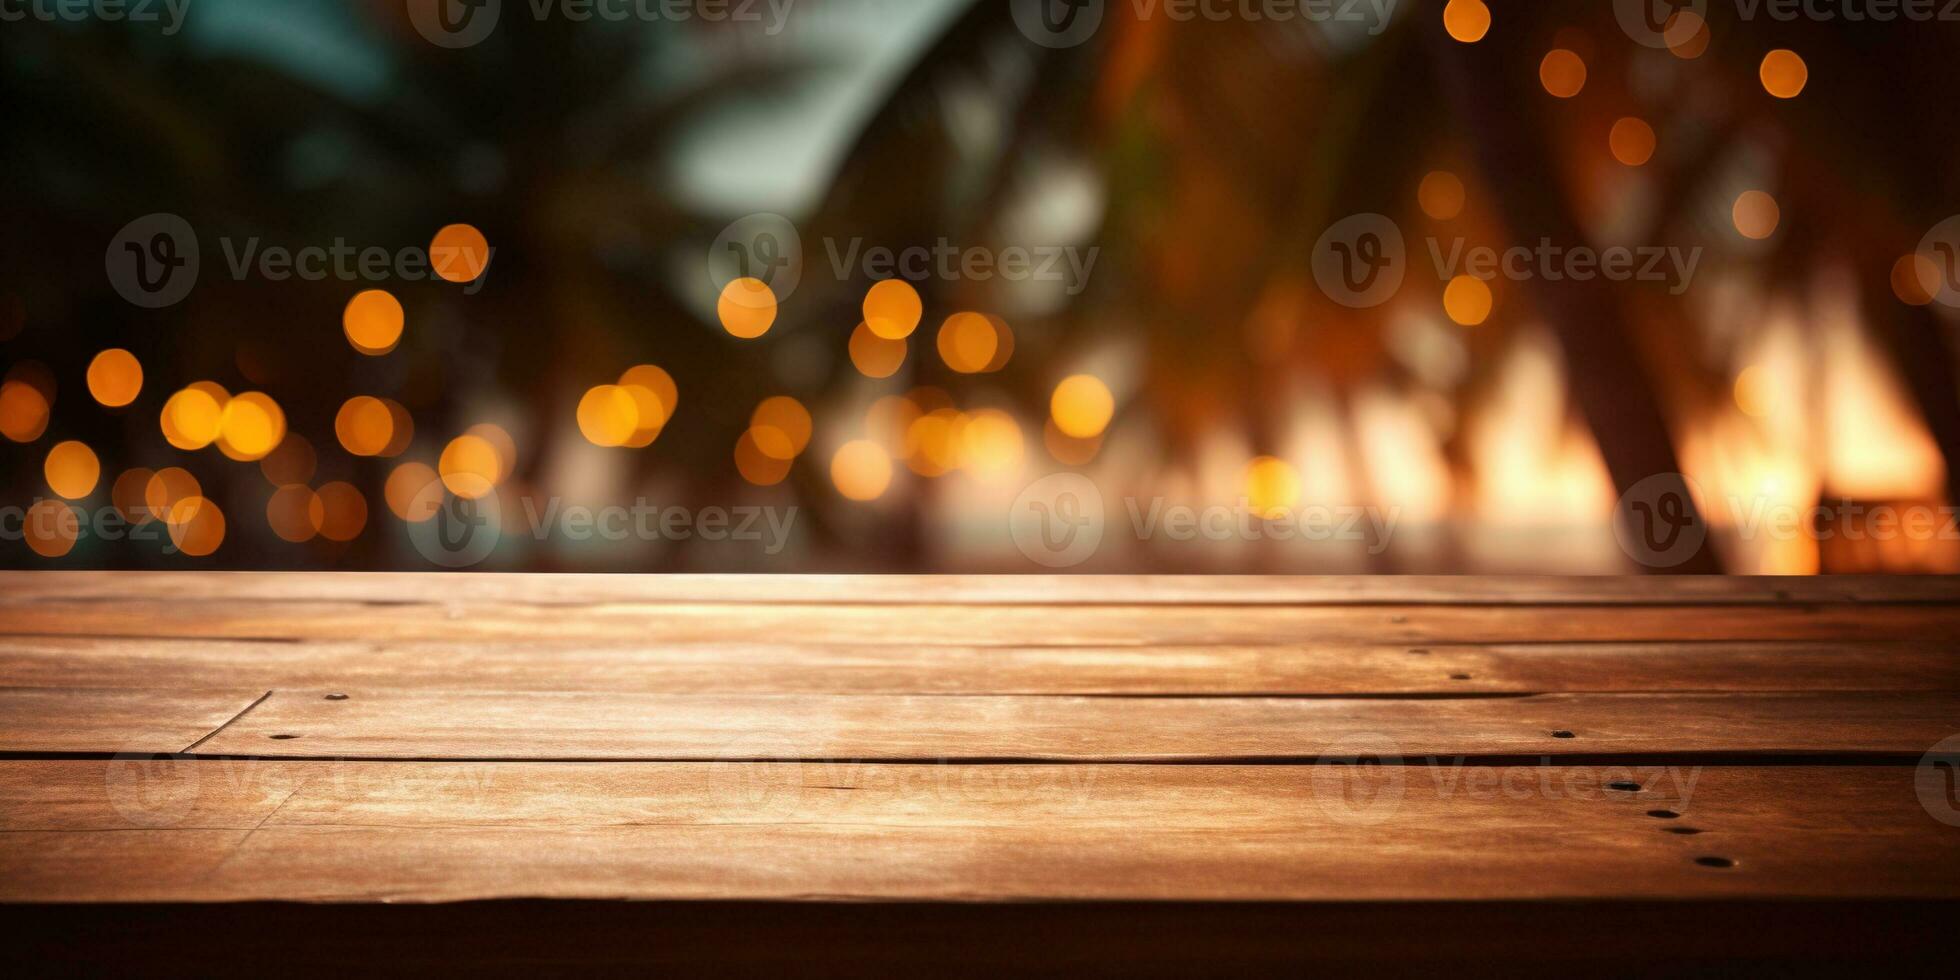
(529, 725)
(1003, 625)
(108, 721)
(546, 664)
(582, 589)
(457, 831)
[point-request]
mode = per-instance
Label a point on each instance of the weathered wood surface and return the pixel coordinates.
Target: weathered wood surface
(523, 725)
(230, 830)
(520, 737)
(456, 618)
(812, 667)
(560, 589)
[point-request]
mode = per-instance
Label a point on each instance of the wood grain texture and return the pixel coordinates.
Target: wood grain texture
(547, 664)
(980, 589)
(114, 720)
(529, 725)
(465, 619)
(452, 831)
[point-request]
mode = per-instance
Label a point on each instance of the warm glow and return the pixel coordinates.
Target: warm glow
(875, 356)
(932, 444)
(373, 322)
(747, 308)
(1686, 35)
(51, 528)
(992, 444)
(1466, 20)
(459, 253)
(892, 309)
(755, 465)
(1915, 279)
(862, 470)
(191, 418)
(364, 426)
(197, 526)
(127, 494)
(1756, 215)
(655, 396)
(1003, 344)
(115, 378)
(469, 466)
(1632, 141)
(499, 440)
(1784, 73)
(23, 411)
(781, 427)
(608, 416)
(250, 427)
(339, 511)
(1755, 392)
(967, 343)
(1068, 450)
(290, 513)
(405, 484)
(72, 470)
(1272, 487)
(292, 461)
(1563, 73)
(169, 487)
(1082, 406)
(1467, 300)
(1441, 195)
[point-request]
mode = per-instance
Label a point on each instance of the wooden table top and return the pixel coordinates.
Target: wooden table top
(175, 738)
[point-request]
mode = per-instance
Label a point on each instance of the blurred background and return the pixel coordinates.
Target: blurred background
(845, 285)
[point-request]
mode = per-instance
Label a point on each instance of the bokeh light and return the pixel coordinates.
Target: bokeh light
(469, 466)
(1755, 392)
(1441, 195)
(127, 495)
(115, 378)
(747, 308)
(364, 425)
(251, 426)
(290, 513)
(967, 343)
(875, 356)
(373, 322)
(51, 528)
(191, 418)
(781, 427)
(862, 470)
(292, 461)
(1467, 301)
(892, 309)
(1784, 73)
(757, 466)
(72, 470)
(1563, 73)
(1466, 20)
(1272, 487)
(197, 526)
(608, 416)
(1082, 406)
(1756, 215)
(459, 253)
(24, 411)
(1632, 141)
(169, 487)
(406, 483)
(339, 511)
